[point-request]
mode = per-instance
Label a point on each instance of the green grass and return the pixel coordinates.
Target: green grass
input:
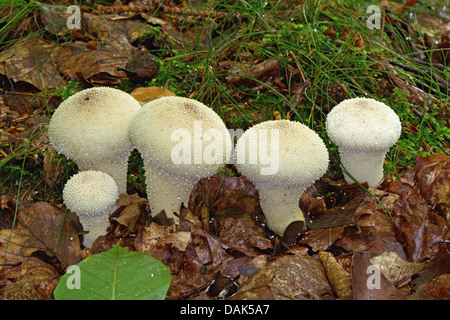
(327, 44)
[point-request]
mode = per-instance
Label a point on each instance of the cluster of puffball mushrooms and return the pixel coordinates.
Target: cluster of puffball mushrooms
(99, 127)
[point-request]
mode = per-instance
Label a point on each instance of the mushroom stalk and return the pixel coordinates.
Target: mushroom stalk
(364, 165)
(96, 225)
(166, 191)
(280, 206)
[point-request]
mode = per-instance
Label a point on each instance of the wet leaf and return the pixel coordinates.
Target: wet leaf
(287, 278)
(243, 234)
(415, 227)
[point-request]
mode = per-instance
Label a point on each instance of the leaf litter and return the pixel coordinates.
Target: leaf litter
(222, 249)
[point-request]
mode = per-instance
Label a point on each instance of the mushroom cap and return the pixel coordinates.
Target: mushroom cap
(153, 126)
(363, 124)
(302, 155)
(93, 124)
(90, 193)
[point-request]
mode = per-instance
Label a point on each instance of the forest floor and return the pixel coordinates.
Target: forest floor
(251, 61)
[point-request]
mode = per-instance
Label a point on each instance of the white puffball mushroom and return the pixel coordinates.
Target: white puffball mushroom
(91, 128)
(92, 195)
(282, 158)
(364, 129)
(181, 141)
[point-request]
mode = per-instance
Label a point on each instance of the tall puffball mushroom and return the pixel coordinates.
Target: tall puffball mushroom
(364, 129)
(297, 158)
(92, 195)
(181, 141)
(91, 128)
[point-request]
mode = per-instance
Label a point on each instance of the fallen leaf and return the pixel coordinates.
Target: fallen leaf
(289, 277)
(244, 235)
(368, 282)
(415, 227)
(340, 280)
(42, 227)
(395, 269)
(32, 60)
(147, 94)
(32, 279)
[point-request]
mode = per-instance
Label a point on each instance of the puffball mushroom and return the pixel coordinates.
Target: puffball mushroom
(91, 128)
(364, 129)
(298, 157)
(181, 141)
(91, 194)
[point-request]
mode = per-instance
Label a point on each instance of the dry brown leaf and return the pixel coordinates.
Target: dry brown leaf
(43, 227)
(32, 279)
(289, 277)
(144, 95)
(395, 269)
(134, 207)
(244, 235)
(340, 280)
(31, 60)
(77, 62)
(370, 284)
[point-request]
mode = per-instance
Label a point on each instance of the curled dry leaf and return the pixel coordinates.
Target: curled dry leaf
(340, 280)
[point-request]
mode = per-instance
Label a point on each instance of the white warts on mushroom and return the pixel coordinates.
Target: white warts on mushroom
(92, 195)
(91, 128)
(364, 129)
(298, 154)
(181, 141)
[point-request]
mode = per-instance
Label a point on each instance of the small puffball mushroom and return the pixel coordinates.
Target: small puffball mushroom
(298, 157)
(364, 129)
(92, 195)
(181, 141)
(91, 128)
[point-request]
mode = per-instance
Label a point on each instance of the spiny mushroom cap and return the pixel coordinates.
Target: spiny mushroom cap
(90, 193)
(93, 124)
(302, 155)
(153, 125)
(363, 124)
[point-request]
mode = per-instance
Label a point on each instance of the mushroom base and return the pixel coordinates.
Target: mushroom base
(280, 206)
(363, 166)
(116, 167)
(96, 225)
(167, 191)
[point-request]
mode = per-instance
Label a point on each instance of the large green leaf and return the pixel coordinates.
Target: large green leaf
(115, 275)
